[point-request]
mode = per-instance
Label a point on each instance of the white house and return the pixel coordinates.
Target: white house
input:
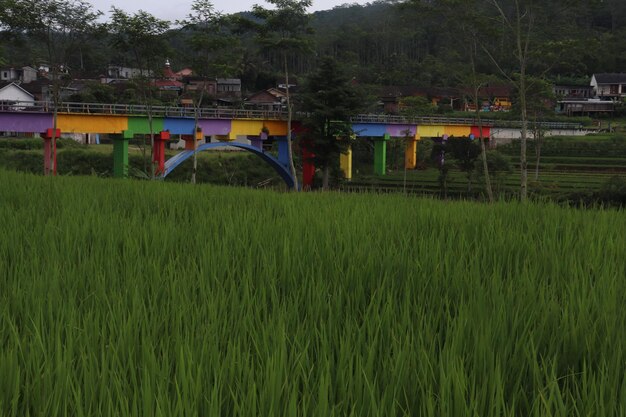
(609, 86)
(11, 94)
(25, 74)
(119, 72)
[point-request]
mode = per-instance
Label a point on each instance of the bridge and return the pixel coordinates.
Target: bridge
(243, 129)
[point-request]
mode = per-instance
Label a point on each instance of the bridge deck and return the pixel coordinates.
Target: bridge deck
(243, 114)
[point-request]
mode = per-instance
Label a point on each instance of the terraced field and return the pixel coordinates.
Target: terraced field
(568, 166)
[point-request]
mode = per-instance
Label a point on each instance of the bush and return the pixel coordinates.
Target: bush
(35, 143)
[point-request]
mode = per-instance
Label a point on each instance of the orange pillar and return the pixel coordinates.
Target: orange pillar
(190, 139)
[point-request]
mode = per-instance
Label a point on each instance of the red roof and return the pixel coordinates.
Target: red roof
(168, 73)
(168, 84)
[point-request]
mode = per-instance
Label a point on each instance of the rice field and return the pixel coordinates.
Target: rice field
(126, 298)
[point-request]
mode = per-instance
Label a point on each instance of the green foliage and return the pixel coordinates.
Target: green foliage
(613, 191)
(217, 51)
(499, 167)
(416, 106)
(140, 37)
(35, 143)
(285, 26)
(465, 151)
(329, 99)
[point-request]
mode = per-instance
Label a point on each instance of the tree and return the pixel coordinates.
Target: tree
(470, 19)
(284, 30)
(518, 22)
(205, 26)
(540, 102)
(214, 45)
(465, 151)
(141, 35)
(61, 25)
(416, 106)
(330, 99)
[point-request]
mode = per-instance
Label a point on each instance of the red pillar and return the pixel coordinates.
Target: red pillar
(158, 153)
(308, 166)
(50, 137)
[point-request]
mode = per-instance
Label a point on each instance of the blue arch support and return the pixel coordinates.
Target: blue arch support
(281, 169)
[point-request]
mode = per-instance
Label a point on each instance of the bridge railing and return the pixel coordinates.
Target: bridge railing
(456, 121)
(139, 110)
(230, 113)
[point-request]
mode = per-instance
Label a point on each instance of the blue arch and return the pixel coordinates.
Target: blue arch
(179, 158)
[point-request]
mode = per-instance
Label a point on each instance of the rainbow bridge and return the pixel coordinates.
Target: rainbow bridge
(243, 129)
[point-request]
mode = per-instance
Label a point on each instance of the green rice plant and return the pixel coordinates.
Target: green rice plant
(158, 299)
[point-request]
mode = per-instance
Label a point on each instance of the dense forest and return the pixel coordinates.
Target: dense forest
(419, 42)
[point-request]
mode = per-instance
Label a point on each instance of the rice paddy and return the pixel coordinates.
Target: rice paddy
(126, 298)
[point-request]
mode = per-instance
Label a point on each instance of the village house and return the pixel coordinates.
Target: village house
(14, 97)
(23, 75)
(573, 92)
(271, 99)
(493, 98)
(169, 81)
(391, 97)
(609, 86)
(119, 72)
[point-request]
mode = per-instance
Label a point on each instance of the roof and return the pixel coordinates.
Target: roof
(228, 81)
(408, 91)
(610, 78)
(37, 86)
(16, 67)
(16, 86)
(185, 72)
(263, 96)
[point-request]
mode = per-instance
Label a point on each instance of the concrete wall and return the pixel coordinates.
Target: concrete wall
(501, 136)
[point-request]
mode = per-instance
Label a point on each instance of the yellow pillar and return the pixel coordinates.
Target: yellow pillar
(345, 162)
(410, 154)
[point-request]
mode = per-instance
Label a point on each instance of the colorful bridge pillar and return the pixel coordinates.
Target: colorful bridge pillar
(120, 154)
(191, 141)
(257, 141)
(283, 151)
(50, 150)
(308, 164)
(410, 154)
(345, 163)
(158, 152)
(380, 154)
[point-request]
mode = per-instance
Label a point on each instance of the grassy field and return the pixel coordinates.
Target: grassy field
(216, 167)
(126, 298)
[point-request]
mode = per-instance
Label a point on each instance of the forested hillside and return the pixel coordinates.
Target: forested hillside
(419, 42)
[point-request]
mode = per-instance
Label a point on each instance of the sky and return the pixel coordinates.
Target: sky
(178, 9)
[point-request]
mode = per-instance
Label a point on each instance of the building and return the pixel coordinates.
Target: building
(229, 87)
(15, 97)
(573, 92)
(609, 86)
(24, 74)
(169, 81)
(271, 99)
(117, 73)
(585, 107)
(391, 97)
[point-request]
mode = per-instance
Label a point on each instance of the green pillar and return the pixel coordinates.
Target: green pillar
(380, 155)
(120, 154)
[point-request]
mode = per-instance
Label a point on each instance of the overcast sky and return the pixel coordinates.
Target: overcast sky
(178, 9)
